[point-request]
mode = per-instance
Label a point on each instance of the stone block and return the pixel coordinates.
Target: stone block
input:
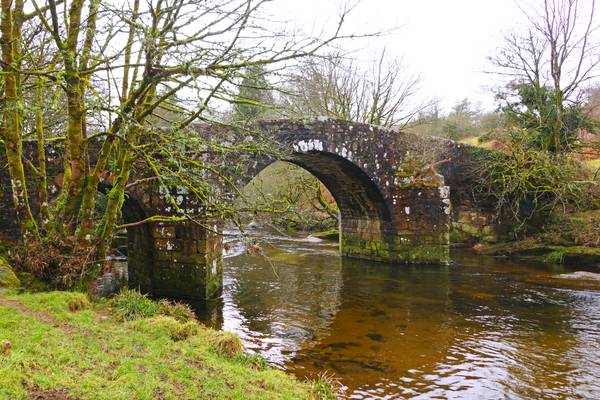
(168, 245)
(164, 231)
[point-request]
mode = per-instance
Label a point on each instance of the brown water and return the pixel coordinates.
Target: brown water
(480, 328)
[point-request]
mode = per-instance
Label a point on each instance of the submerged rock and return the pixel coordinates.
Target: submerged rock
(553, 254)
(583, 275)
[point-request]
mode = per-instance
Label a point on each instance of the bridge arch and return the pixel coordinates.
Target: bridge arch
(386, 214)
(354, 191)
(365, 219)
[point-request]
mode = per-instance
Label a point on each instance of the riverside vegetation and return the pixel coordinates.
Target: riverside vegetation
(59, 345)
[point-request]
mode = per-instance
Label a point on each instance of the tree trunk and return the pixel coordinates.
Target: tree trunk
(11, 131)
(41, 147)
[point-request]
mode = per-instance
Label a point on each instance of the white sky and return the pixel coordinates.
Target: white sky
(446, 41)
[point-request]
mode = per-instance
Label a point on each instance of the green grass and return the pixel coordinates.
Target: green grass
(593, 165)
(57, 342)
(474, 141)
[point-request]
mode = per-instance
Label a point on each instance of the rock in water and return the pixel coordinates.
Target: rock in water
(584, 275)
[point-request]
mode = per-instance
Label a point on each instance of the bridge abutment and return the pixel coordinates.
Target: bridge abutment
(177, 259)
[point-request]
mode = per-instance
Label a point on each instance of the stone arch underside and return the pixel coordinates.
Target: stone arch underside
(366, 222)
(383, 217)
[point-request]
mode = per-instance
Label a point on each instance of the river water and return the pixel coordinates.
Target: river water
(480, 328)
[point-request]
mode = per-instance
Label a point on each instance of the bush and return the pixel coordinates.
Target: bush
(528, 184)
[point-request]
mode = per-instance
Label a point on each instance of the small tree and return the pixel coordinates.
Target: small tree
(526, 184)
(461, 121)
(548, 67)
(254, 96)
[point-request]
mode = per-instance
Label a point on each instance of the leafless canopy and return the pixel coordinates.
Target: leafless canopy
(383, 94)
(560, 47)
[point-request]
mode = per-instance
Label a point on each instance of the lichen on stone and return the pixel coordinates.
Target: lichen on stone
(417, 174)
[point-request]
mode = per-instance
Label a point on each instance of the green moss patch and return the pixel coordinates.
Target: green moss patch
(8, 279)
(331, 234)
(535, 250)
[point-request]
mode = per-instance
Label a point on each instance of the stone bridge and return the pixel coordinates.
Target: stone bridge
(400, 197)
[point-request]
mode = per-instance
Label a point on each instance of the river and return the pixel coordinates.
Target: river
(480, 328)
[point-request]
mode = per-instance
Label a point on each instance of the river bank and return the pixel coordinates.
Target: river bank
(58, 345)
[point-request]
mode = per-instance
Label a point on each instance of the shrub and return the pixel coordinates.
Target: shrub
(62, 263)
(529, 184)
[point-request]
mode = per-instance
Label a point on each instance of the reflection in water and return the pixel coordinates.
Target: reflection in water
(481, 328)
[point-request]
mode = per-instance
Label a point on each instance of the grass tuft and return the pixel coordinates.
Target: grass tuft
(131, 304)
(169, 326)
(78, 301)
(226, 344)
(255, 361)
(555, 257)
(180, 311)
(326, 386)
(5, 347)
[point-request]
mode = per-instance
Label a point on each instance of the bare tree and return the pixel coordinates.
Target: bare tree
(123, 71)
(558, 52)
(384, 94)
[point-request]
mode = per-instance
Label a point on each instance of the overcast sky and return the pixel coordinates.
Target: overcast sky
(446, 41)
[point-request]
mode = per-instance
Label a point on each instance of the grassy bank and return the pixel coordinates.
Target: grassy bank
(56, 345)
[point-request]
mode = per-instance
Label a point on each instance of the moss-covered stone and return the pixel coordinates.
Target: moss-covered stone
(411, 249)
(415, 174)
(331, 234)
(8, 279)
(536, 250)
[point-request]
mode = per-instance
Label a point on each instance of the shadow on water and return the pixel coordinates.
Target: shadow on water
(481, 328)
